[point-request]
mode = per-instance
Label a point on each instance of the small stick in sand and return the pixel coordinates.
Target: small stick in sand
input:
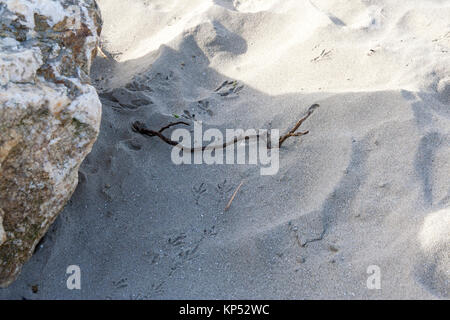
(233, 196)
(292, 132)
(100, 51)
(106, 55)
(139, 127)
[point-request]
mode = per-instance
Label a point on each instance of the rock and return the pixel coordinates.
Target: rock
(49, 116)
(2, 231)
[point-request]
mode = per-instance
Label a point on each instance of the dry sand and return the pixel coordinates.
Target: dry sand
(369, 185)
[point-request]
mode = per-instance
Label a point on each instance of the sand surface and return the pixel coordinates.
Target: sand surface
(369, 185)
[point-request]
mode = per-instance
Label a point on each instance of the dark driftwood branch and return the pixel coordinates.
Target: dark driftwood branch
(140, 128)
(172, 124)
(292, 132)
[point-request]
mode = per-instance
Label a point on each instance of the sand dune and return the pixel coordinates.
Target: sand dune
(369, 184)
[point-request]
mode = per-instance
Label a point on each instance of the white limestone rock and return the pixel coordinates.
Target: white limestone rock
(49, 116)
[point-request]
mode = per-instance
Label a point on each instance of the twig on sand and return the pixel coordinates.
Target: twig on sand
(100, 51)
(139, 127)
(233, 196)
(172, 124)
(292, 132)
(105, 54)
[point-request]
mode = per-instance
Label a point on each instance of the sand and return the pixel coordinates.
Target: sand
(368, 186)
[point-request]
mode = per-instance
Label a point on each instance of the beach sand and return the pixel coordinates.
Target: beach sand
(368, 186)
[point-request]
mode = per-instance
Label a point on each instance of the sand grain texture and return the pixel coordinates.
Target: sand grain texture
(369, 184)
